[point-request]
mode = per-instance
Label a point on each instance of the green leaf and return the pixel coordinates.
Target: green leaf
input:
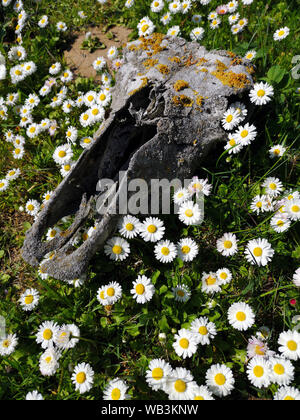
(276, 74)
(1, 253)
(163, 324)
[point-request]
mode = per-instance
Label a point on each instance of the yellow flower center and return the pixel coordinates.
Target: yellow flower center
(165, 250)
(203, 330)
(28, 299)
(30, 207)
(184, 343)
(198, 397)
(258, 350)
(129, 226)
(295, 208)
(80, 377)
(47, 334)
(157, 374)
(66, 74)
(185, 249)
(2, 184)
(276, 152)
(232, 142)
(258, 371)
(48, 359)
(189, 213)
(279, 369)
(292, 345)
(280, 223)
(272, 186)
(5, 343)
(86, 141)
(152, 229)
(223, 275)
(289, 398)
(110, 291)
(140, 289)
(259, 204)
(115, 394)
(102, 97)
(229, 118)
(257, 252)
(261, 93)
(101, 295)
(227, 244)
(117, 249)
(220, 379)
(240, 316)
(210, 281)
(281, 33)
(85, 117)
(180, 386)
(69, 133)
(67, 167)
(17, 151)
(244, 133)
(180, 293)
(62, 154)
(144, 28)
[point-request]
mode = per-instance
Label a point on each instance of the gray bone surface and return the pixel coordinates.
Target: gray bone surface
(155, 130)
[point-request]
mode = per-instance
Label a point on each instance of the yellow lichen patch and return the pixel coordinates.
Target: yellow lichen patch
(229, 78)
(175, 59)
(231, 54)
(183, 100)
(221, 66)
(143, 84)
(250, 69)
(236, 61)
(190, 61)
(149, 63)
(152, 43)
(180, 85)
(163, 69)
(199, 100)
(201, 61)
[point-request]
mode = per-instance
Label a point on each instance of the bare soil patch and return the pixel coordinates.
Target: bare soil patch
(81, 61)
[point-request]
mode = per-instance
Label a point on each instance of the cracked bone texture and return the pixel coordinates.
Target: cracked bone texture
(168, 102)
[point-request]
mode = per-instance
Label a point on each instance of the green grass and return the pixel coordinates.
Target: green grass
(120, 341)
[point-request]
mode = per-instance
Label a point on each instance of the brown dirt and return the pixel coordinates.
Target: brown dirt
(81, 61)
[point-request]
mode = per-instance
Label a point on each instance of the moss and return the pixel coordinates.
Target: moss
(183, 100)
(180, 85)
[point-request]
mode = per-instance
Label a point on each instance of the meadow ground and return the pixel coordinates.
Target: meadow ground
(214, 323)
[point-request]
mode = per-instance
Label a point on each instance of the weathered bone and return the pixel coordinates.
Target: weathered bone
(168, 101)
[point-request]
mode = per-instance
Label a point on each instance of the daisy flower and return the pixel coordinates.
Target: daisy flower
(103, 98)
(46, 334)
(245, 134)
(199, 186)
(273, 186)
(197, 34)
(83, 377)
(157, 6)
(210, 283)
(259, 204)
(232, 145)
(165, 251)
(145, 27)
(203, 330)
(151, 229)
(233, 19)
(117, 249)
(292, 208)
(259, 252)
(8, 344)
(129, 226)
(4, 183)
(86, 119)
(71, 134)
(261, 93)
(219, 379)
(52, 233)
(187, 249)
(62, 154)
(256, 348)
(202, 393)
(181, 293)
(196, 18)
(241, 108)
(18, 152)
(29, 299)
(112, 53)
(280, 223)
(67, 336)
(186, 6)
(215, 23)
(175, 6)
(32, 207)
(116, 390)
(48, 362)
(296, 278)
(67, 76)
(173, 31)
(258, 372)
(286, 393)
(143, 289)
(231, 119)
(99, 63)
(180, 384)
(227, 244)
(232, 6)
(281, 370)
(181, 195)
(34, 396)
(157, 373)
(66, 168)
(33, 130)
(185, 344)
(113, 292)
(250, 55)
(61, 26)
(12, 175)
(289, 342)
(212, 16)
(240, 316)
(101, 296)
(190, 214)
(224, 276)
(281, 33)
(277, 151)
(165, 19)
